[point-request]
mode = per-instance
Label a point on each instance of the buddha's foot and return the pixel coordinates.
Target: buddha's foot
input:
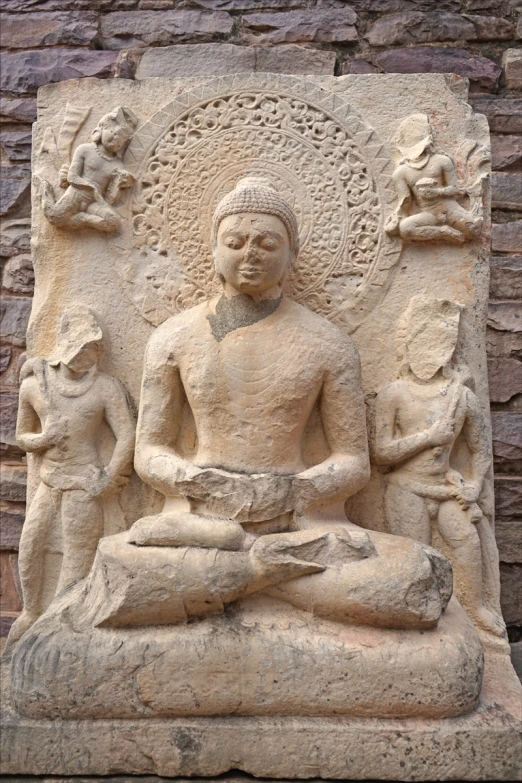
(278, 558)
(182, 528)
(133, 585)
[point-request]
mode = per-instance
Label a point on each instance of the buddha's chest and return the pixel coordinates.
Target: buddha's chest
(253, 369)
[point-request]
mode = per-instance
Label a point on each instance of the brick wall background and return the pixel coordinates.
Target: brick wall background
(46, 41)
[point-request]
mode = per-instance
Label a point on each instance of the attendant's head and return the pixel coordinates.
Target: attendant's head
(415, 136)
(427, 336)
(79, 339)
(254, 237)
(115, 129)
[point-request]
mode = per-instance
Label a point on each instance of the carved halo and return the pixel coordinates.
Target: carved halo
(316, 151)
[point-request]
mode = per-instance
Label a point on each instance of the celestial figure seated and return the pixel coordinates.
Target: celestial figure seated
(428, 190)
(421, 420)
(247, 593)
(64, 404)
(94, 179)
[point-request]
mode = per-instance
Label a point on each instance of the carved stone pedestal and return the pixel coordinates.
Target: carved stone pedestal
(261, 658)
(483, 745)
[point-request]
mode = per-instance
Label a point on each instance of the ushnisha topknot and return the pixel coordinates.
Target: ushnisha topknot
(255, 194)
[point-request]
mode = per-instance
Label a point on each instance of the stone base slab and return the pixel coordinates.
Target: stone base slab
(484, 745)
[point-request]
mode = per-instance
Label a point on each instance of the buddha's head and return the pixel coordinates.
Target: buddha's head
(254, 237)
(79, 339)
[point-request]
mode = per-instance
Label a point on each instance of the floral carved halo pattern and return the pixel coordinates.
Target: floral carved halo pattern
(316, 151)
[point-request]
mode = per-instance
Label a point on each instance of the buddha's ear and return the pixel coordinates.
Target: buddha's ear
(216, 263)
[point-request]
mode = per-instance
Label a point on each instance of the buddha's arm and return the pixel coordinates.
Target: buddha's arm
(343, 415)
(159, 419)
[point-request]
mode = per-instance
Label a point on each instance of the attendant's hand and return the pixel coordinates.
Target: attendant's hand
(63, 176)
(442, 433)
(430, 192)
(465, 492)
(102, 481)
(391, 225)
(55, 432)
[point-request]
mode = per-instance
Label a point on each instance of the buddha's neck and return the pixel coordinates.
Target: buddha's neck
(273, 293)
(240, 311)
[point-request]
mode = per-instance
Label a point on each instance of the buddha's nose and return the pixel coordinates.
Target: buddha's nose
(250, 252)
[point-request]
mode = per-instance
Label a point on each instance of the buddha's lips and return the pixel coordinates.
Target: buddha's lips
(238, 312)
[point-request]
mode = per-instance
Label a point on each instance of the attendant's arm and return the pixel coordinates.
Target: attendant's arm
(30, 435)
(343, 416)
(120, 418)
(404, 194)
(388, 448)
(451, 183)
(477, 439)
(75, 175)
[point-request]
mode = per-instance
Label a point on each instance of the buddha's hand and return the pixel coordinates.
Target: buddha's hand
(309, 487)
(245, 497)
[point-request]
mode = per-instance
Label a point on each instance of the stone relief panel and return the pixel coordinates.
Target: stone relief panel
(253, 284)
(80, 426)
(331, 167)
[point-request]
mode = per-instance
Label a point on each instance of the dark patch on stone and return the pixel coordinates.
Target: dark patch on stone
(238, 312)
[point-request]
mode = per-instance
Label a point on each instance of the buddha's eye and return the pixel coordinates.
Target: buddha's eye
(234, 243)
(268, 244)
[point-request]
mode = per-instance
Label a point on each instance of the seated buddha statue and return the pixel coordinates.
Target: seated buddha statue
(252, 365)
(251, 570)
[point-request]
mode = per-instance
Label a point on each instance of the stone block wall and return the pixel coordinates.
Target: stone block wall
(45, 41)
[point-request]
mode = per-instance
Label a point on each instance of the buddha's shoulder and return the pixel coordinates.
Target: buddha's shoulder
(320, 329)
(181, 325)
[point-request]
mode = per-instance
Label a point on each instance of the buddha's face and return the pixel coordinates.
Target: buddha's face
(252, 252)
